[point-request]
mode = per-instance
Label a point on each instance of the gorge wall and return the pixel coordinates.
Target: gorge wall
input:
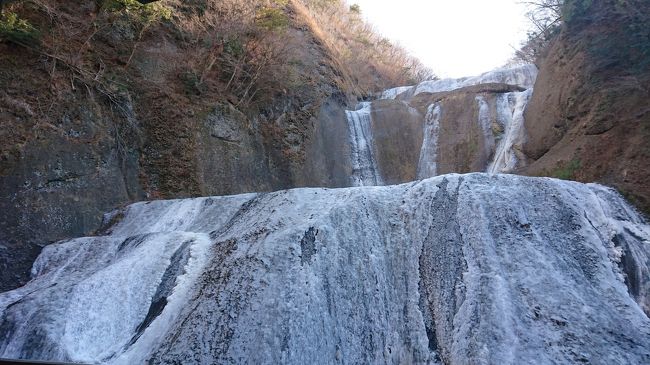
(154, 127)
(589, 117)
(487, 268)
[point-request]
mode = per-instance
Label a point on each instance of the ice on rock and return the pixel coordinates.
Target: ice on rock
(523, 76)
(456, 269)
(505, 141)
(395, 92)
(485, 122)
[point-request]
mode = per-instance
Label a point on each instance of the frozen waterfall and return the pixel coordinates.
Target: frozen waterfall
(499, 118)
(457, 269)
(364, 166)
(510, 115)
(494, 142)
(427, 166)
(523, 76)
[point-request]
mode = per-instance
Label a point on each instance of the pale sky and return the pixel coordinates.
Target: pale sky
(454, 37)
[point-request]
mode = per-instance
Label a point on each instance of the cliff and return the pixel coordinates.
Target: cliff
(589, 117)
(108, 102)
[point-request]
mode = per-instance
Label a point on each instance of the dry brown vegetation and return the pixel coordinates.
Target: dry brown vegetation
(239, 49)
(155, 70)
(374, 61)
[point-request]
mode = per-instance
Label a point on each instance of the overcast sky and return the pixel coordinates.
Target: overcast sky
(454, 37)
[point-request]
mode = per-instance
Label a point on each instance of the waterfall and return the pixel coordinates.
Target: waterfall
(481, 268)
(503, 130)
(510, 113)
(427, 165)
(456, 269)
(364, 165)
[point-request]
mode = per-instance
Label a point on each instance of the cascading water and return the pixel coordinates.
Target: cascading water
(503, 131)
(499, 118)
(427, 166)
(457, 269)
(510, 114)
(364, 166)
(485, 122)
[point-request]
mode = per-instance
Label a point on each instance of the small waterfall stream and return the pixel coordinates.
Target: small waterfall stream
(510, 114)
(427, 166)
(365, 171)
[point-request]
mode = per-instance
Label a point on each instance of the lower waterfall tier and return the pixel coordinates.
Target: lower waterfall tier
(456, 269)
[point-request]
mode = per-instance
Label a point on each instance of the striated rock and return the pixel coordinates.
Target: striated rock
(60, 183)
(457, 269)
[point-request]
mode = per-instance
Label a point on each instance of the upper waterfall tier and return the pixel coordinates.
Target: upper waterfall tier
(457, 269)
(365, 171)
(472, 124)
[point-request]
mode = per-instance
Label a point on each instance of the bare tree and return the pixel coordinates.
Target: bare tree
(546, 18)
(545, 14)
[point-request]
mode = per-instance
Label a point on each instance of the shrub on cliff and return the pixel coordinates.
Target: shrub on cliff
(625, 42)
(17, 30)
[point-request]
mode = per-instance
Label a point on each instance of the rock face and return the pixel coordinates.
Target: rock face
(589, 117)
(74, 150)
(457, 269)
(66, 176)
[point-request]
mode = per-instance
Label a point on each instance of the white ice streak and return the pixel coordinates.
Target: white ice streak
(510, 115)
(153, 335)
(365, 171)
(523, 76)
(485, 122)
(395, 92)
(427, 165)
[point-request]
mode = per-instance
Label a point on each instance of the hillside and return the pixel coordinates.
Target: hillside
(108, 102)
